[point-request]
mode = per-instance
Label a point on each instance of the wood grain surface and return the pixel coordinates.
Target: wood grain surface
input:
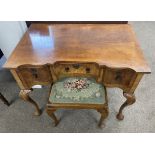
(112, 45)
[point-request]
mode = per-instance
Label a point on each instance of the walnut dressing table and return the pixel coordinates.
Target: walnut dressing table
(108, 51)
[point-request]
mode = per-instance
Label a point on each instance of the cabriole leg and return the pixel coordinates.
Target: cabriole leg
(50, 112)
(130, 100)
(104, 114)
(24, 94)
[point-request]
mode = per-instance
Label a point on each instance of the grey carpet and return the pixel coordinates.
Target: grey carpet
(139, 117)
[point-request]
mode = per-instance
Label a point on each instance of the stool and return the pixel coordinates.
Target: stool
(78, 93)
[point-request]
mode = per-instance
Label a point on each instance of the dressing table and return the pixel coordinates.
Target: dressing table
(108, 51)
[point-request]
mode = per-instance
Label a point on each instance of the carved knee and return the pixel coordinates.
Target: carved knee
(130, 98)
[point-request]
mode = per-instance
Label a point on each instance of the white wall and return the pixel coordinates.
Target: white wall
(10, 35)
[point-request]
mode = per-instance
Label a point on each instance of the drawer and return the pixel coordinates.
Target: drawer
(118, 77)
(76, 69)
(33, 75)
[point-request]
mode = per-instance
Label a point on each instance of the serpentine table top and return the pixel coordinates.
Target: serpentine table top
(113, 45)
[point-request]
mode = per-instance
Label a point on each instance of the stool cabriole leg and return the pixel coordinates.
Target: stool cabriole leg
(52, 115)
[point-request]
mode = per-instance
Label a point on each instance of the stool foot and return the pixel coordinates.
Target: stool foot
(52, 115)
(104, 114)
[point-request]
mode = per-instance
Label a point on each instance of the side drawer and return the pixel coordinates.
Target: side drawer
(33, 75)
(76, 69)
(119, 77)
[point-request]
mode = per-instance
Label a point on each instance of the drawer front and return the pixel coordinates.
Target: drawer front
(119, 77)
(33, 75)
(76, 69)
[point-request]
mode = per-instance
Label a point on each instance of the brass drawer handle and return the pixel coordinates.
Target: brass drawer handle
(34, 72)
(76, 66)
(87, 70)
(67, 69)
(118, 76)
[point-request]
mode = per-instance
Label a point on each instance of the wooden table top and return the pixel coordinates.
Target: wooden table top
(113, 45)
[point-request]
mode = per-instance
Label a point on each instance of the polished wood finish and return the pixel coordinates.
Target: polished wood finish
(21, 83)
(121, 78)
(66, 69)
(4, 100)
(110, 45)
(108, 52)
(32, 75)
(28, 23)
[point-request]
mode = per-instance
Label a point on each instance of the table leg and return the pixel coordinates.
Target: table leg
(4, 99)
(130, 100)
(24, 94)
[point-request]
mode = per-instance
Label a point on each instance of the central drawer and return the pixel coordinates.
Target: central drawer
(65, 69)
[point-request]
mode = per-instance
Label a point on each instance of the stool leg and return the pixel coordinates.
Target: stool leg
(104, 114)
(52, 115)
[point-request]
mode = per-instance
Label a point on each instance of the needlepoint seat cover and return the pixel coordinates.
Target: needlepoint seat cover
(77, 90)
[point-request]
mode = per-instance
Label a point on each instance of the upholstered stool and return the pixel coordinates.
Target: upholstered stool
(78, 93)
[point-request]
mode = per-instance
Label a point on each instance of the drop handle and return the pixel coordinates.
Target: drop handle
(67, 69)
(118, 77)
(88, 70)
(76, 66)
(34, 73)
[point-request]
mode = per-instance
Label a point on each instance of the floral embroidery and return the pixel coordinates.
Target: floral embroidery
(77, 90)
(77, 84)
